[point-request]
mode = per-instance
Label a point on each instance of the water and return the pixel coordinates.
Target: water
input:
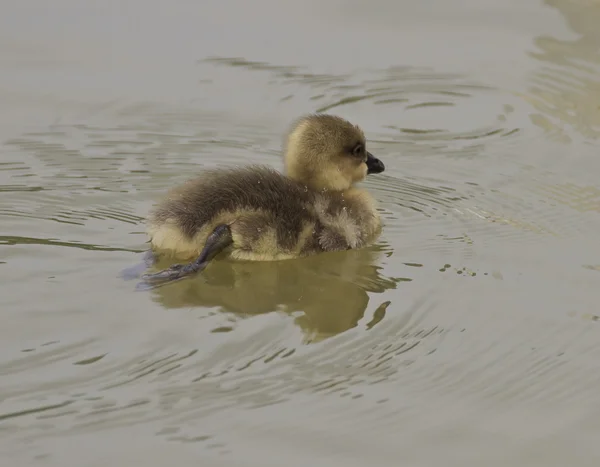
(467, 336)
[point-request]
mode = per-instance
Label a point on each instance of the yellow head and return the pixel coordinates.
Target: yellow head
(326, 152)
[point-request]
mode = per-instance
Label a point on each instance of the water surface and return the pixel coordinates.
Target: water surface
(467, 336)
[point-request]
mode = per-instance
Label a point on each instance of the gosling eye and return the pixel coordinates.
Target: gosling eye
(358, 150)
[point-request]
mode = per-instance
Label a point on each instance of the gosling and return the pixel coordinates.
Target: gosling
(256, 213)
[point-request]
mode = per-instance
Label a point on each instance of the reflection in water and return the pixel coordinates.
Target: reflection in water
(567, 88)
(327, 293)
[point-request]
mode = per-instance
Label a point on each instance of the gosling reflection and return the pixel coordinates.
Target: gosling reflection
(330, 290)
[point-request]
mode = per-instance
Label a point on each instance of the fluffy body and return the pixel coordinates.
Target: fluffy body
(257, 213)
(271, 216)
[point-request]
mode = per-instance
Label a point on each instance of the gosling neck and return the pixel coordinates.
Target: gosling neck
(320, 181)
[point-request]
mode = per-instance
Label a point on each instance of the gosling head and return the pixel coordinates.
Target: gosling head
(326, 152)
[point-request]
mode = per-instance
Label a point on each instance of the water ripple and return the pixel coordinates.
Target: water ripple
(466, 306)
(409, 95)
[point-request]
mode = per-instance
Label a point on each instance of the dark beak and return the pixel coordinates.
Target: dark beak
(374, 165)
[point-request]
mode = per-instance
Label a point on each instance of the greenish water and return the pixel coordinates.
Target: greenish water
(467, 336)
